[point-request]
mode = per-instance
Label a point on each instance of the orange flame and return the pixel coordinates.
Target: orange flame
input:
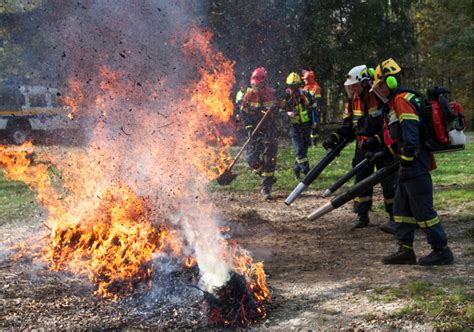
(110, 204)
(211, 98)
(114, 246)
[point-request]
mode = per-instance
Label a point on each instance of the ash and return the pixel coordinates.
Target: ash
(34, 297)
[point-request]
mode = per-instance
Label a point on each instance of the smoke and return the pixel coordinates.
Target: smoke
(130, 69)
(271, 33)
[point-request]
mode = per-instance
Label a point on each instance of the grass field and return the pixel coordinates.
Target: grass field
(453, 179)
(445, 299)
(17, 202)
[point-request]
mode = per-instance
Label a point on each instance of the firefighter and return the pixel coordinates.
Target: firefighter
(363, 120)
(298, 104)
(239, 97)
(413, 206)
(262, 150)
(236, 117)
(315, 90)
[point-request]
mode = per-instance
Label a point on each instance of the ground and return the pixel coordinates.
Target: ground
(325, 276)
(322, 275)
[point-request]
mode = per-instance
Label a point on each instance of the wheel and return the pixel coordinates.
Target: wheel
(19, 131)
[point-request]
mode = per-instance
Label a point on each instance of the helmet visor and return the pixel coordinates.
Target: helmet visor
(348, 91)
(379, 91)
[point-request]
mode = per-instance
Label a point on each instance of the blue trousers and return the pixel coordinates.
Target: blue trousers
(261, 155)
(300, 135)
(413, 208)
(363, 203)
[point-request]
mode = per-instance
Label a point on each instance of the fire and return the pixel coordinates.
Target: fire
(19, 166)
(73, 103)
(211, 97)
(189, 262)
(114, 246)
(248, 305)
(138, 189)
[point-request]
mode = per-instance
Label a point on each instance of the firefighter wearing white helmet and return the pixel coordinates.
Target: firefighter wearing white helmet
(298, 104)
(354, 79)
(363, 121)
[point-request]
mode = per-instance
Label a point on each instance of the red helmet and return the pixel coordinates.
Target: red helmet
(308, 75)
(259, 76)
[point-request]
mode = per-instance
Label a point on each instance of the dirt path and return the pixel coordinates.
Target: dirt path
(321, 274)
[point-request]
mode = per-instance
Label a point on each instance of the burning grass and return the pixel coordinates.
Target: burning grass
(133, 194)
(114, 246)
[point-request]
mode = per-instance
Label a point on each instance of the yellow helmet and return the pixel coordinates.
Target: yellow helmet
(293, 80)
(385, 73)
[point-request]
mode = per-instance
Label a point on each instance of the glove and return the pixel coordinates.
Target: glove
(331, 141)
(249, 129)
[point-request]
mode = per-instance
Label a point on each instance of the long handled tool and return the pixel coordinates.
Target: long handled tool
(343, 179)
(227, 176)
(331, 154)
(357, 189)
(369, 159)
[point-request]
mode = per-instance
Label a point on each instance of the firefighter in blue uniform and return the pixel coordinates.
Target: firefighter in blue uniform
(363, 121)
(413, 205)
(298, 104)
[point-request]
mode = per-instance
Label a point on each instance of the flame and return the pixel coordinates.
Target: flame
(114, 246)
(132, 193)
(189, 262)
(73, 102)
(211, 97)
(255, 275)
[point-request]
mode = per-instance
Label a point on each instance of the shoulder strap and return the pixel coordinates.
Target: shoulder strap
(416, 93)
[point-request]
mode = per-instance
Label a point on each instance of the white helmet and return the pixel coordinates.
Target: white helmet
(357, 75)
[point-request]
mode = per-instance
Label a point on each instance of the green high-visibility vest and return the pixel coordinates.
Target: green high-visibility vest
(302, 115)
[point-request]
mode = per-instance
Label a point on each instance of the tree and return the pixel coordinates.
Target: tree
(445, 33)
(345, 33)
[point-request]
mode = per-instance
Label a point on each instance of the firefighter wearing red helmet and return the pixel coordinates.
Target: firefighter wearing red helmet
(314, 89)
(262, 150)
(413, 204)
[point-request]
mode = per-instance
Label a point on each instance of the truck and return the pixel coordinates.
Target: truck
(28, 108)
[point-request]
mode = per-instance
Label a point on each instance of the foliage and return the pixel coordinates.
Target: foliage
(432, 40)
(17, 202)
(12, 48)
(446, 303)
(453, 179)
(329, 37)
(260, 33)
(445, 34)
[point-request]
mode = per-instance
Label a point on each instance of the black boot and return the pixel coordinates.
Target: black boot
(305, 168)
(438, 257)
(266, 193)
(361, 221)
(267, 183)
(404, 255)
(389, 227)
(297, 174)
